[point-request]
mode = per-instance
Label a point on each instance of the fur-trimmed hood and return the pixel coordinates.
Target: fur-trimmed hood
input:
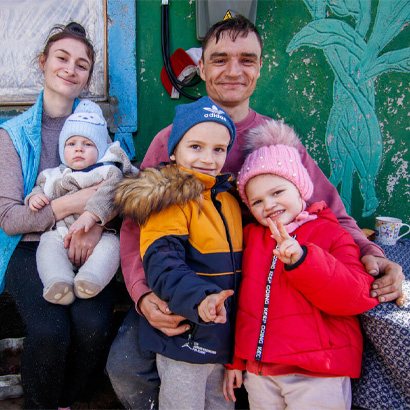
(154, 189)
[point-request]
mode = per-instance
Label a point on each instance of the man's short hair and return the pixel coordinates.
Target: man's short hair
(234, 27)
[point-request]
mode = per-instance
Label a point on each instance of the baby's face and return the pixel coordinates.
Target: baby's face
(203, 148)
(274, 197)
(80, 152)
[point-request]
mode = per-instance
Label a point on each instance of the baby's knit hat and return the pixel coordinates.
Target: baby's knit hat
(202, 110)
(87, 121)
(272, 148)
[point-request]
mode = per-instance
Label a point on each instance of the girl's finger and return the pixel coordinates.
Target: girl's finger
(274, 230)
(282, 230)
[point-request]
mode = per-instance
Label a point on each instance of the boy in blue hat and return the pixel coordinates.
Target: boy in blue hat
(88, 159)
(191, 246)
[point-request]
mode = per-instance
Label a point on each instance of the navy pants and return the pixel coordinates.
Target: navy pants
(63, 344)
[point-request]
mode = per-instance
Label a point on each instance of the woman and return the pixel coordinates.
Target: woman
(63, 343)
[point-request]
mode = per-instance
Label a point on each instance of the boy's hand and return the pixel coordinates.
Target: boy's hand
(85, 221)
(232, 380)
(212, 308)
(38, 201)
(289, 251)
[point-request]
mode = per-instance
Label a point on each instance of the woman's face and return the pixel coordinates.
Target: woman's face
(66, 68)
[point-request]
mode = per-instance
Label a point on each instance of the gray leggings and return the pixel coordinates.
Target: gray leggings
(191, 386)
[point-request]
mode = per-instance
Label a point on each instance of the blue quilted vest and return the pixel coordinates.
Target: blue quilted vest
(25, 132)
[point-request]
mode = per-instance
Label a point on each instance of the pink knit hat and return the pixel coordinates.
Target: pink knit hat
(273, 151)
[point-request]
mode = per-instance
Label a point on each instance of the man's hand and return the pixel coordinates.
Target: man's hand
(38, 201)
(81, 244)
(389, 286)
(157, 313)
(212, 308)
(232, 380)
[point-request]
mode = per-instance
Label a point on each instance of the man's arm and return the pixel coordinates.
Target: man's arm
(158, 149)
(147, 303)
(389, 286)
(325, 191)
(131, 263)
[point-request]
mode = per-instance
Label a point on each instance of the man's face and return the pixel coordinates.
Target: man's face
(231, 69)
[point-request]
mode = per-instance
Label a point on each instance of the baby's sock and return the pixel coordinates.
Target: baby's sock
(60, 293)
(86, 285)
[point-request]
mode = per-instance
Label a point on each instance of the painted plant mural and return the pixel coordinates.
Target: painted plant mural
(355, 54)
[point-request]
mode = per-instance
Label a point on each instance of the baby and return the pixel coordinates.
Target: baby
(87, 160)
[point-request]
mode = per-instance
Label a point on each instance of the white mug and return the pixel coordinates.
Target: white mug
(388, 230)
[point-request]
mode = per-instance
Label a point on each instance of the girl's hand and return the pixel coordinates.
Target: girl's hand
(81, 244)
(232, 380)
(38, 201)
(289, 251)
(212, 308)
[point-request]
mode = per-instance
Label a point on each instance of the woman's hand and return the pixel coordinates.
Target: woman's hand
(81, 244)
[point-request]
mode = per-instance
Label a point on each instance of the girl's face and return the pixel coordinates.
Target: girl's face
(274, 197)
(66, 68)
(203, 148)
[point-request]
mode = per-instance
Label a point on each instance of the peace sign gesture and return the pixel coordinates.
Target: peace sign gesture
(289, 251)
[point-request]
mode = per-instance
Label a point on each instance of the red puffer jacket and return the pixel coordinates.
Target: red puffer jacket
(310, 320)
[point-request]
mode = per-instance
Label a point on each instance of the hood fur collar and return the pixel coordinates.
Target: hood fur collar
(154, 189)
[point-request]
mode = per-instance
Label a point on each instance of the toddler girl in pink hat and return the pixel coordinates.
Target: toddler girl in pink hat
(297, 337)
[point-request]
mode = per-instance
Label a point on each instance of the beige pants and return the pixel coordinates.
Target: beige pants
(297, 392)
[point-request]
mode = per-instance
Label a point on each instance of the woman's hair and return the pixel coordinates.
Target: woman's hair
(71, 30)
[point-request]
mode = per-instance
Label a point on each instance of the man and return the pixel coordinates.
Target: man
(230, 66)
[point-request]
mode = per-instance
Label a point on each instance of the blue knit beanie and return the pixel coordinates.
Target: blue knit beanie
(86, 121)
(202, 110)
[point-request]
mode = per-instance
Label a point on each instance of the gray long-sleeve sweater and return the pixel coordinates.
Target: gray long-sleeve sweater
(15, 217)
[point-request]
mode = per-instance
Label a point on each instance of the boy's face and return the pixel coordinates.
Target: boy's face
(80, 152)
(203, 148)
(274, 197)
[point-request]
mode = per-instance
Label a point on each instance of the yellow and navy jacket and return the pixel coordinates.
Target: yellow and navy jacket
(191, 246)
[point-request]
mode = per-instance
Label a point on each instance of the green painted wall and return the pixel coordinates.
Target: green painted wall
(296, 87)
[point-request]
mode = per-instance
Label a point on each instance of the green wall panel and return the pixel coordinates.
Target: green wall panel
(298, 86)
